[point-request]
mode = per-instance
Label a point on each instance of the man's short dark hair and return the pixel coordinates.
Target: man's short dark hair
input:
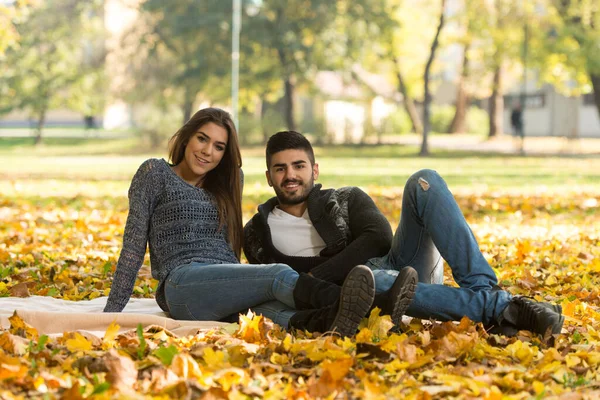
(288, 140)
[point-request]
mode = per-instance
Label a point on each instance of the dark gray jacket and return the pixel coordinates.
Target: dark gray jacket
(347, 219)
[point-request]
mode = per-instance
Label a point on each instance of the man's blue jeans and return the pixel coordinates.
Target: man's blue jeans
(432, 227)
(213, 292)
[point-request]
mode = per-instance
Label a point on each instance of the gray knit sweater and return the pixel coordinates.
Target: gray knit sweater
(178, 221)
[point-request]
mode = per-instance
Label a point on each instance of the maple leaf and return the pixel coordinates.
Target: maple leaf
(215, 359)
(21, 328)
(19, 290)
(253, 328)
(184, 366)
(109, 336)
(13, 344)
(331, 377)
(78, 343)
(11, 367)
(377, 326)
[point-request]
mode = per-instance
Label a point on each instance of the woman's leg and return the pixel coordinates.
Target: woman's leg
(212, 292)
(276, 311)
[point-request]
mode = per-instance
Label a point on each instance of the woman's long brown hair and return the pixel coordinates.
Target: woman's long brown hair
(223, 182)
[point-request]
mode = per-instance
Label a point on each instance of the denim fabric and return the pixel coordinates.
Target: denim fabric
(212, 292)
(276, 311)
(432, 229)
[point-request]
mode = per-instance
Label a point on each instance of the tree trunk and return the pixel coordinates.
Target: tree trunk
(427, 96)
(263, 112)
(188, 105)
(40, 126)
(409, 104)
(288, 97)
(497, 105)
(459, 122)
(595, 78)
(288, 104)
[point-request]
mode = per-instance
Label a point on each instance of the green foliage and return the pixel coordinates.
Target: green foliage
(156, 125)
(11, 14)
(569, 57)
(166, 354)
(441, 117)
(100, 388)
(287, 37)
(8, 33)
(573, 381)
(141, 351)
(478, 121)
(57, 59)
(249, 129)
(273, 121)
(314, 126)
(179, 54)
(397, 122)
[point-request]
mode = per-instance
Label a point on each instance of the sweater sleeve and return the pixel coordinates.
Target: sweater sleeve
(135, 238)
(372, 237)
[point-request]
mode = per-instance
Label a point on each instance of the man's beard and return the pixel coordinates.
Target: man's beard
(296, 198)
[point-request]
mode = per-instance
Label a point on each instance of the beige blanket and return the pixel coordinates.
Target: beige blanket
(52, 316)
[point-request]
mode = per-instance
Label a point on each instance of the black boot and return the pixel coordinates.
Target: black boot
(396, 300)
(523, 313)
(344, 315)
(311, 293)
(557, 308)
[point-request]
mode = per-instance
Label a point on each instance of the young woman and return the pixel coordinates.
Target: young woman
(189, 213)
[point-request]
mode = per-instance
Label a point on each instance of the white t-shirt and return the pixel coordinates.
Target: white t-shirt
(294, 236)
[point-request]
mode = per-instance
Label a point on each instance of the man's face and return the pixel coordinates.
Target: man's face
(292, 176)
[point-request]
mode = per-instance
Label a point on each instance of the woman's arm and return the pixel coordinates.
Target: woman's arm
(135, 238)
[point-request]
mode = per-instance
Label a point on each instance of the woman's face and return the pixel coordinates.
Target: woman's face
(204, 151)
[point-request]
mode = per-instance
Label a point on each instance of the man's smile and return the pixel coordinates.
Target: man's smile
(291, 185)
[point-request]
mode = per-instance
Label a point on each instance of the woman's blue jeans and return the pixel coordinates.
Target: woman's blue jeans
(432, 229)
(208, 292)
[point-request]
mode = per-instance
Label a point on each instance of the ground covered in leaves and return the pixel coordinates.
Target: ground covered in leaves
(546, 246)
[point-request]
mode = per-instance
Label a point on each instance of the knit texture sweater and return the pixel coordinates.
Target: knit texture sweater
(347, 219)
(178, 221)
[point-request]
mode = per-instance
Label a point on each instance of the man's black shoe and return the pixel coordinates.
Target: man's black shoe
(358, 292)
(400, 295)
(523, 313)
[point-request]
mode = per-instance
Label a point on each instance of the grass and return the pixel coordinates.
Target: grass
(75, 161)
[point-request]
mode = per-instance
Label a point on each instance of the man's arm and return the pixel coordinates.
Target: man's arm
(372, 237)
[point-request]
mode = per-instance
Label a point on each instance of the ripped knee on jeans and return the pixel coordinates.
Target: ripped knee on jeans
(424, 184)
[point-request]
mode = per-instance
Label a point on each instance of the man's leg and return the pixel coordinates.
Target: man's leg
(445, 303)
(343, 315)
(432, 227)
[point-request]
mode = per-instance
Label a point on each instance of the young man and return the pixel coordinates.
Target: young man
(327, 232)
